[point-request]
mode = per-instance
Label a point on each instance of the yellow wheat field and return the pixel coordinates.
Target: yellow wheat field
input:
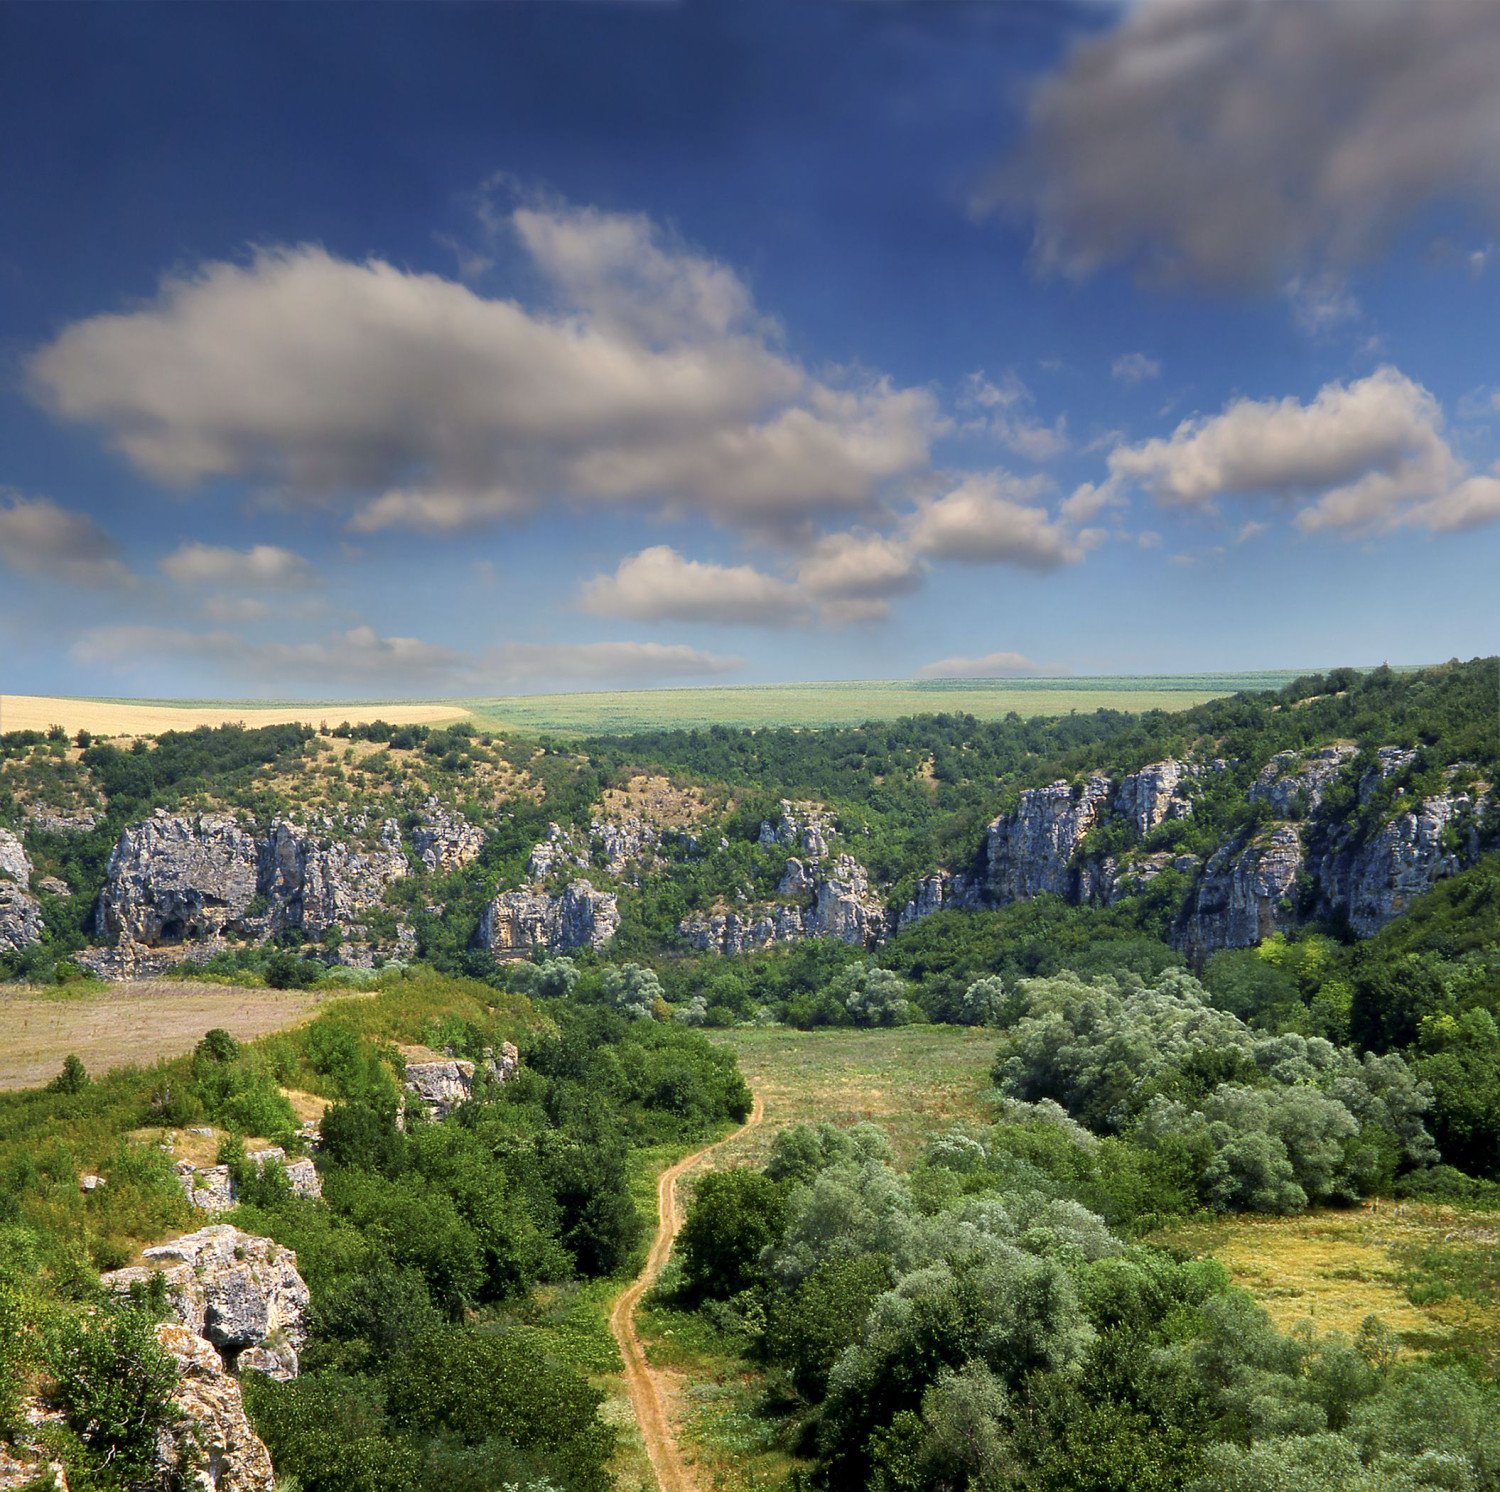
(119, 717)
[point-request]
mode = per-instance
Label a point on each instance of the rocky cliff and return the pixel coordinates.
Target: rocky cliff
(823, 895)
(523, 922)
(20, 912)
(208, 880)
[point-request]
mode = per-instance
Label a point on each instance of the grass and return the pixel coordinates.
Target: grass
(914, 1081)
(618, 712)
(853, 702)
(120, 1024)
(1430, 1272)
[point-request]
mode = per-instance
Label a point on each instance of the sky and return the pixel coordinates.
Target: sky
(387, 351)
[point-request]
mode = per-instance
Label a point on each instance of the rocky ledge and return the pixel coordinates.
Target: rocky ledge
(239, 1291)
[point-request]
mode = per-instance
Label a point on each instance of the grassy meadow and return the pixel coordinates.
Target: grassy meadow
(854, 701)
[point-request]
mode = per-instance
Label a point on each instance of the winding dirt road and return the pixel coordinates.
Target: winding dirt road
(646, 1397)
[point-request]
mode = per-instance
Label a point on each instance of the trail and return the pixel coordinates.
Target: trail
(646, 1397)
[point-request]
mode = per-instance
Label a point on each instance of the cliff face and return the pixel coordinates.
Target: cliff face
(523, 922)
(1310, 863)
(204, 881)
(240, 1292)
(823, 895)
(20, 912)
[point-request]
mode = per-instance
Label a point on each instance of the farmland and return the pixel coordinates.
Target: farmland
(132, 1023)
(619, 712)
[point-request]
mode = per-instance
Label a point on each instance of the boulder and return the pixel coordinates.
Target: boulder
(439, 1084)
(236, 1289)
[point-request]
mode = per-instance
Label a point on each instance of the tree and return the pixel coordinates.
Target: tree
(73, 1078)
(733, 1217)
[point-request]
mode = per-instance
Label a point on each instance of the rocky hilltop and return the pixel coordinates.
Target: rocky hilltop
(1228, 840)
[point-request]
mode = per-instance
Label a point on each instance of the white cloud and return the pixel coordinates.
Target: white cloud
(359, 658)
(1362, 457)
(1004, 413)
(1134, 367)
(651, 383)
(658, 584)
(990, 666)
(1245, 142)
(992, 518)
(38, 537)
(261, 567)
(860, 567)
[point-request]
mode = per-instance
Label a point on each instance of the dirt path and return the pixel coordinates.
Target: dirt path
(645, 1394)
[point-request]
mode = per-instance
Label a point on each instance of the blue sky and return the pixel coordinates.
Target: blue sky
(411, 350)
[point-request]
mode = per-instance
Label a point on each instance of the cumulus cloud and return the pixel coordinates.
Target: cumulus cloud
(650, 382)
(860, 567)
(261, 567)
(1134, 367)
(989, 666)
(658, 584)
(1363, 457)
(38, 537)
(993, 518)
(1004, 412)
(1244, 142)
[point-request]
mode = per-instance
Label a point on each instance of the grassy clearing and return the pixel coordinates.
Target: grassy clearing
(855, 701)
(119, 1025)
(1431, 1273)
(150, 717)
(914, 1082)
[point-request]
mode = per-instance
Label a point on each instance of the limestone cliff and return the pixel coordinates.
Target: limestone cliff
(20, 912)
(523, 922)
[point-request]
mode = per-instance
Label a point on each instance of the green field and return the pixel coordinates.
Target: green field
(855, 701)
(619, 712)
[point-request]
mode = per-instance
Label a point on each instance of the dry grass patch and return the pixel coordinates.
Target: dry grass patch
(135, 1023)
(123, 717)
(1430, 1272)
(658, 800)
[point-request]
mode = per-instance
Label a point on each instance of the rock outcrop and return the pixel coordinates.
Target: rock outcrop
(1293, 785)
(1155, 794)
(212, 1188)
(207, 880)
(240, 1291)
(523, 922)
(1244, 894)
(1029, 851)
(1374, 880)
(439, 1084)
(806, 827)
(746, 931)
(211, 1443)
(20, 912)
(444, 841)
